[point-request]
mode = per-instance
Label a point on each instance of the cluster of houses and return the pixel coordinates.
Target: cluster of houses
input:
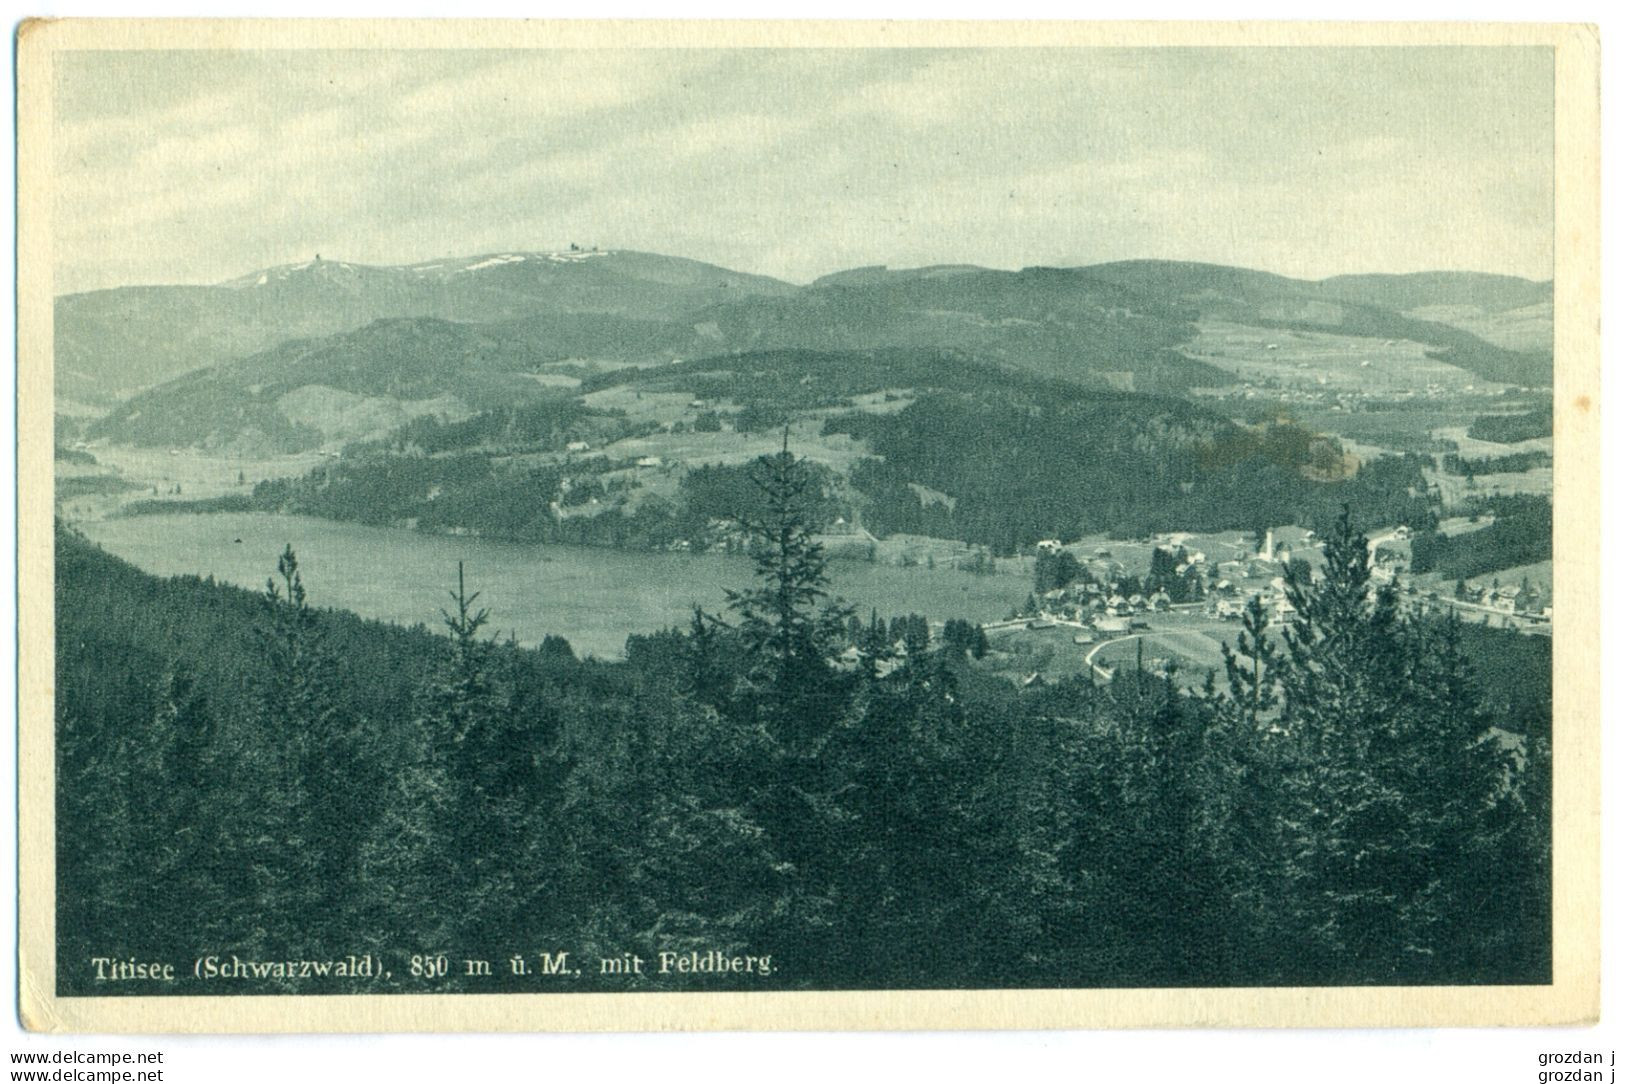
(1098, 604)
(1230, 606)
(582, 447)
(1506, 598)
(1225, 586)
(719, 536)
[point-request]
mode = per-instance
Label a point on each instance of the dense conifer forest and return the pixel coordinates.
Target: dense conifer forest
(1348, 802)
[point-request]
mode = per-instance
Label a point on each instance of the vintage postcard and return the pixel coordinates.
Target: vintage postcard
(639, 526)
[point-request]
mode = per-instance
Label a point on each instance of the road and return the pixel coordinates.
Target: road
(1089, 660)
(1372, 543)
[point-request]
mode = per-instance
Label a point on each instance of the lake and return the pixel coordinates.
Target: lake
(593, 597)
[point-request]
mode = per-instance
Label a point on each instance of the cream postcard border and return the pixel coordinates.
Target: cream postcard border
(1572, 998)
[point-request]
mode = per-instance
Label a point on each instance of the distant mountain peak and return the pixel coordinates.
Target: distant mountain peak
(318, 267)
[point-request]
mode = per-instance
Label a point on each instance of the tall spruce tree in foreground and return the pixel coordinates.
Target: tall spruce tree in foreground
(168, 771)
(1389, 779)
(309, 833)
(787, 623)
(452, 826)
(490, 761)
(788, 631)
(1250, 669)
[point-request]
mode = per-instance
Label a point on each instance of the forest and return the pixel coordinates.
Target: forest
(789, 774)
(1512, 463)
(1127, 467)
(1519, 532)
(1512, 428)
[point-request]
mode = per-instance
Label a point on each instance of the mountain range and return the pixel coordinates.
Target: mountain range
(329, 349)
(117, 340)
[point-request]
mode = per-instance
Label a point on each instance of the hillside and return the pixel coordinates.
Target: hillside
(1509, 312)
(1344, 306)
(363, 383)
(326, 353)
(1402, 293)
(360, 383)
(905, 441)
(118, 340)
(1047, 321)
(288, 782)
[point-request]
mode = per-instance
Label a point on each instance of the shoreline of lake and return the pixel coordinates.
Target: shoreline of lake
(593, 597)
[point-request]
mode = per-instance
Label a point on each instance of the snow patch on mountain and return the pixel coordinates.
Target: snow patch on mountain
(495, 261)
(575, 255)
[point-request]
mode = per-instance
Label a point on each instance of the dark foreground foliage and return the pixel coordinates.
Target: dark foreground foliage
(242, 774)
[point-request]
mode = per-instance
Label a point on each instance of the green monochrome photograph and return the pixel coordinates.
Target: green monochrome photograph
(511, 513)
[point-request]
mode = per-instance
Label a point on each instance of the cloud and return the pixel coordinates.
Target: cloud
(200, 167)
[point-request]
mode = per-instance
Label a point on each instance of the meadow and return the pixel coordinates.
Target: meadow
(1319, 360)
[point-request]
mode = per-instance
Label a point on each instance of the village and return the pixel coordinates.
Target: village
(1096, 611)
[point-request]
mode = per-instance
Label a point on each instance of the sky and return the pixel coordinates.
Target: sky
(198, 166)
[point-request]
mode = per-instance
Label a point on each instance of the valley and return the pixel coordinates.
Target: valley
(579, 428)
(514, 530)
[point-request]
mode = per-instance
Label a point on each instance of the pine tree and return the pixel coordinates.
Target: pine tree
(307, 831)
(170, 786)
(464, 696)
(788, 701)
(789, 627)
(708, 679)
(410, 871)
(1463, 818)
(454, 825)
(488, 762)
(896, 809)
(1387, 776)
(874, 648)
(1338, 817)
(1250, 667)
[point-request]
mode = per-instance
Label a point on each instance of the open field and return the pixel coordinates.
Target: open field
(662, 407)
(594, 365)
(1393, 428)
(886, 401)
(153, 473)
(1050, 652)
(555, 380)
(1528, 328)
(1307, 359)
(1189, 640)
(1538, 574)
(200, 474)
(1455, 489)
(838, 450)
